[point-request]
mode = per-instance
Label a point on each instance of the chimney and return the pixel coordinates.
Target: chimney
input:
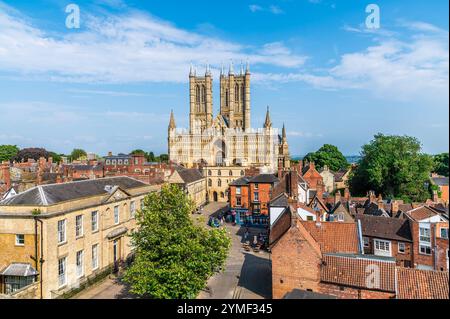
(380, 202)
(300, 167)
(50, 160)
(312, 166)
(394, 206)
(293, 213)
(6, 174)
(337, 196)
(319, 189)
(435, 196)
(293, 191)
(280, 172)
(372, 196)
(347, 194)
(109, 153)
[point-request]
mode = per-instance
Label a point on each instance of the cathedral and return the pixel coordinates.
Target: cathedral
(228, 138)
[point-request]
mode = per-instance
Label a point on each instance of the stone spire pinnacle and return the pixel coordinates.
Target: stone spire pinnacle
(208, 70)
(192, 70)
(268, 122)
(222, 70)
(284, 133)
(242, 69)
(231, 72)
(172, 124)
(247, 68)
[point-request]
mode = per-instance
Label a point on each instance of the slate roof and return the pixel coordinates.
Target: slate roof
(280, 201)
(190, 175)
(385, 228)
(440, 181)
(422, 284)
(264, 178)
(243, 181)
(351, 270)
(339, 175)
(334, 237)
(19, 269)
(45, 195)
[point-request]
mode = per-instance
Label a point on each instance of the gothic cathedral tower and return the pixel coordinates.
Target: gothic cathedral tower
(201, 101)
(235, 97)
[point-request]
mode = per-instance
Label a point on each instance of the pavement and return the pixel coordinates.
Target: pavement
(247, 275)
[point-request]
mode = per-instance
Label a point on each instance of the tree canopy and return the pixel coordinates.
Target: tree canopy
(77, 154)
(8, 152)
(441, 164)
(31, 153)
(174, 257)
(393, 166)
(328, 155)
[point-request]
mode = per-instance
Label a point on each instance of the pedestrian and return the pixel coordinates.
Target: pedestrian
(246, 235)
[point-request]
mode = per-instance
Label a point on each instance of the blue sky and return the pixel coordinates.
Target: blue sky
(110, 85)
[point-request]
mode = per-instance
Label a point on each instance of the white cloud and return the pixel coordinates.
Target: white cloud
(272, 9)
(133, 47)
(255, 8)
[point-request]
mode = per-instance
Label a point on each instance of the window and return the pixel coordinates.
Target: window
(238, 201)
(366, 242)
(219, 183)
(425, 250)
(94, 221)
(340, 217)
(209, 173)
(425, 235)
(62, 278)
(14, 283)
(114, 162)
(79, 263)
(256, 186)
(242, 173)
(444, 233)
(310, 218)
(132, 209)
(238, 191)
(61, 231)
(219, 173)
(95, 257)
(79, 226)
(125, 162)
(20, 240)
(108, 162)
(116, 215)
(256, 196)
(230, 173)
(119, 162)
(401, 248)
(382, 247)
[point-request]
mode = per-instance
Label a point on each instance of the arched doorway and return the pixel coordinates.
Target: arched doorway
(215, 197)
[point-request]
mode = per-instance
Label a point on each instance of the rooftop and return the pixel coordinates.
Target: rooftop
(385, 227)
(422, 284)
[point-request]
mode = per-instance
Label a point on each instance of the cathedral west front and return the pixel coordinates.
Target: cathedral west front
(226, 139)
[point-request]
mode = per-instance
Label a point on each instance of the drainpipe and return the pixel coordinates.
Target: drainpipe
(360, 238)
(40, 259)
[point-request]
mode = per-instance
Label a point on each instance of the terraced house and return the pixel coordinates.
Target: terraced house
(55, 237)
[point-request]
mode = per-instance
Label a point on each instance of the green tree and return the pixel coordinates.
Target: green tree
(174, 256)
(31, 153)
(8, 152)
(77, 153)
(328, 155)
(151, 157)
(441, 164)
(138, 152)
(164, 158)
(56, 157)
(393, 166)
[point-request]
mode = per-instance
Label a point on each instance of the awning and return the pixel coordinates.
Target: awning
(117, 232)
(19, 269)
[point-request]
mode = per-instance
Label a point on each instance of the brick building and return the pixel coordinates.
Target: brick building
(250, 198)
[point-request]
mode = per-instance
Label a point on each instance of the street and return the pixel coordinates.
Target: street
(247, 275)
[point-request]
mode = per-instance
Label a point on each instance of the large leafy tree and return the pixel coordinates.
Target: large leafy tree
(393, 166)
(441, 164)
(174, 256)
(77, 153)
(328, 155)
(33, 153)
(8, 152)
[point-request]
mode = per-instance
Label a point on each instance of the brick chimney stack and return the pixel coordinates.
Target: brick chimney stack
(347, 194)
(293, 191)
(394, 206)
(435, 196)
(371, 196)
(6, 174)
(320, 189)
(380, 202)
(293, 209)
(337, 197)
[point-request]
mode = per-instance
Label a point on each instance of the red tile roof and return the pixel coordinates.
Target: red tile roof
(421, 213)
(359, 271)
(334, 237)
(422, 284)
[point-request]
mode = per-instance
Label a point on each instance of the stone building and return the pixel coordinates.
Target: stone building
(227, 139)
(192, 182)
(64, 234)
